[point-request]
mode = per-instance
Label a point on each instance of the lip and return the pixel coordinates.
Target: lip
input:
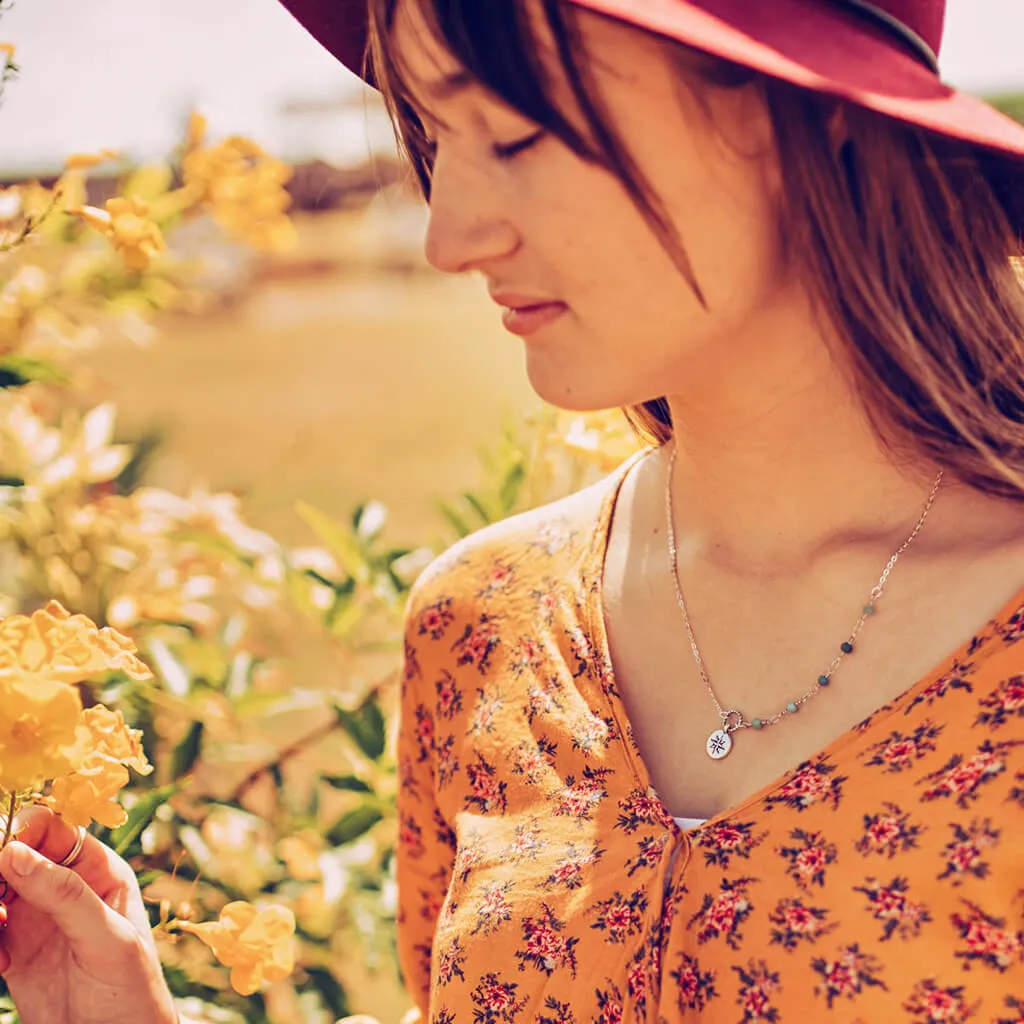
(527, 320)
(525, 315)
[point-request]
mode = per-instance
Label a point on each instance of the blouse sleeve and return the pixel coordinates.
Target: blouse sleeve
(425, 850)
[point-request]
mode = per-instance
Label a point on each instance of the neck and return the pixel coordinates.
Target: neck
(777, 462)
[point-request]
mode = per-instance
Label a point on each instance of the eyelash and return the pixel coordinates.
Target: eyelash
(504, 152)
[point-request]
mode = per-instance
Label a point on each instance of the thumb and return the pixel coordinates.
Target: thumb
(58, 892)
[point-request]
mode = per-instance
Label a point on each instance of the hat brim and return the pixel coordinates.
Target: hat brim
(825, 47)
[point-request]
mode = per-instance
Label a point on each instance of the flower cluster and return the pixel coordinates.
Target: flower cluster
(51, 749)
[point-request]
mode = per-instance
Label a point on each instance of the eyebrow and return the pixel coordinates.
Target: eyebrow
(448, 86)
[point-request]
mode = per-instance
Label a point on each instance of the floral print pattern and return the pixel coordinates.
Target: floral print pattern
(542, 880)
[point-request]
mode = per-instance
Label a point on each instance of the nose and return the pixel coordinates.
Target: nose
(470, 225)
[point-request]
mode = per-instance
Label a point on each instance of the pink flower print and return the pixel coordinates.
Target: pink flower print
(726, 840)
(961, 776)
(487, 793)
(546, 947)
(1003, 704)
(890, 905)
(987, 939)
(899, 752)
(450, 961)
(449, 696)
(965, 852)
(811, 783)
(527, 656)
(436, 618)
(888, 832)
(724, 914)
(447, 762)
(694, 988)
(568, 873)
(808, 858)
(424, 732)
(609, 1002)
(641, 808)
(650, 849)
(620, 916)
(590, 734)
(477, 644)
(410, 837)
(848, 975)
(758, 984)
(496, 1000)
(494, 909)
(580, 798)
(930, 1004)
(526, 841)
(794, 922)
(467, 857)
(637, 982)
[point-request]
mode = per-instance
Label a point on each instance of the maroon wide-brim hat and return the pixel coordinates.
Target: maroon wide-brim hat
(882, 55)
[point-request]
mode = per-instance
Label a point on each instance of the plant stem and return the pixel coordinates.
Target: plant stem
(9, 830)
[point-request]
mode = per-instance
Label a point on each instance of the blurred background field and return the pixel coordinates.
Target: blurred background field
(331, 372)
(328, 377)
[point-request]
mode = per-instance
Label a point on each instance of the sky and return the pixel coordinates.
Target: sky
(122, 74)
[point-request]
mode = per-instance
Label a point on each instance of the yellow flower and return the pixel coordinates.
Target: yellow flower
(88, 794)
(300, 854)
(38, 728)
(53, 645)
(105, 733)
(243, 187)
(84, 161)
(255, 944)
(126, 221)
(7, 49)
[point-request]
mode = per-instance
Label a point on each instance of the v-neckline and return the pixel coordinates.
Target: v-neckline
(594, 570)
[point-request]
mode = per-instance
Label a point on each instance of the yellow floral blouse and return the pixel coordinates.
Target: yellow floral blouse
(542, 881)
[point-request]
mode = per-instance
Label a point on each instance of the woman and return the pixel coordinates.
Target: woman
(736, 733)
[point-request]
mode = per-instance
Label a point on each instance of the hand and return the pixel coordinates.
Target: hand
(78, 948)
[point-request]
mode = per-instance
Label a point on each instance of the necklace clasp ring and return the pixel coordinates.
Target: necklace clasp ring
(731, 720)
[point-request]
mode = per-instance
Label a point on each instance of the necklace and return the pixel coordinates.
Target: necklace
(720, 742)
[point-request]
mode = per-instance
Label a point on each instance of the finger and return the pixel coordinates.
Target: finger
(61, 894)
(54, 838)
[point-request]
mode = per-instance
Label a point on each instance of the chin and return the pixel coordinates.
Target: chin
(565, 390)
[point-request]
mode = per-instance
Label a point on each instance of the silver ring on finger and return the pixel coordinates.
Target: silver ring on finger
(68, 861)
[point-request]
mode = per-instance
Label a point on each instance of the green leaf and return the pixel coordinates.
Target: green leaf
(331, 991)
(140, 816)
(338, 539)
(186, 753)
(477, 505)
(349, 827)
(455, 520)
(366, 726)
(17, 369)
(348, 783)
(513, 484)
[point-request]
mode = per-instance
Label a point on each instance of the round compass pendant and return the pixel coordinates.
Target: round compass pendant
(719, 744)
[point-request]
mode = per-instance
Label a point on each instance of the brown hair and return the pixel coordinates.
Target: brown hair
(907, 239)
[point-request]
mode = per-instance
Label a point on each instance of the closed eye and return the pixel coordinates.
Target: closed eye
(510, 150)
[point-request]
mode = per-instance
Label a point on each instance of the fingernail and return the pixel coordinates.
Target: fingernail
(21, 861)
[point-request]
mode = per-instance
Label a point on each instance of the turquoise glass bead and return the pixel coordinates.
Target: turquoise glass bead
(824, 680)
(757, 723)
(791, 708)
(869, 608)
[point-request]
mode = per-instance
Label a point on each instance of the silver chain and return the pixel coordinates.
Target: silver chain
(733, 719)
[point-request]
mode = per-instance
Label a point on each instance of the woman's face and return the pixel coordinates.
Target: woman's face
(543, 226)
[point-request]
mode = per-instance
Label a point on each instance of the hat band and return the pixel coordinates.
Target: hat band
(893, 24)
